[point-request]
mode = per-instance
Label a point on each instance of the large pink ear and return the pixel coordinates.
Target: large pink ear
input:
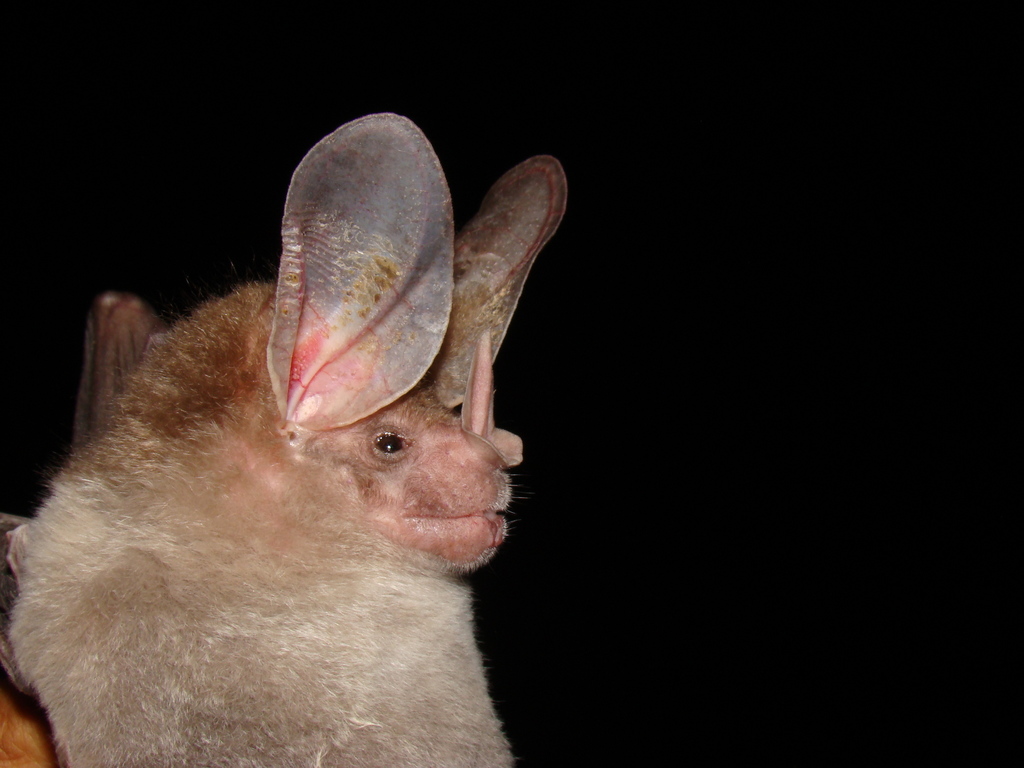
(493, 256)
(365, 284)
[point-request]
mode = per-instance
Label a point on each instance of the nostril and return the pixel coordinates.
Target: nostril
(508, 454)
(509, 445)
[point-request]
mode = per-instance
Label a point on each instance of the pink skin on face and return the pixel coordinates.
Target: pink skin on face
(449, 497)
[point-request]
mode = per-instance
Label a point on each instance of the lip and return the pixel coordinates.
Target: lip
(494, 520)
(487, 514)
(499, 530)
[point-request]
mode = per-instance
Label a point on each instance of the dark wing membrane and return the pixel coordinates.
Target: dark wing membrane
(120, 328)
(8, 592)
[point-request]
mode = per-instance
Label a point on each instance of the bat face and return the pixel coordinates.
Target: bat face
(269, 502)
(425, 483)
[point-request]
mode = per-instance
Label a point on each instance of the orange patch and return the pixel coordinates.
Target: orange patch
(24, 733)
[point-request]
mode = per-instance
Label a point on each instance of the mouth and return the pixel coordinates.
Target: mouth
(462, 540)
(489, 524)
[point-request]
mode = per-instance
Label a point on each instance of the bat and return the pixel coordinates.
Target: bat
(254, 555)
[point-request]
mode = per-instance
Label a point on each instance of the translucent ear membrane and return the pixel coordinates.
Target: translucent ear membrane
(365, 283)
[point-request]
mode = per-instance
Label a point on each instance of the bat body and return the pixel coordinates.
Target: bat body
(253, 556)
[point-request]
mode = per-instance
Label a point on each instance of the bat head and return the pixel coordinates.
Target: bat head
(360, 387)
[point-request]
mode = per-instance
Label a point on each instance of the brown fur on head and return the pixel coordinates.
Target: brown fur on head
(206, 375)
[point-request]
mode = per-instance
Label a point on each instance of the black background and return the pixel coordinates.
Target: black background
(738, 368)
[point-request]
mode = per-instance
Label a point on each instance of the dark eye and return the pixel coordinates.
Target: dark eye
(389, 442)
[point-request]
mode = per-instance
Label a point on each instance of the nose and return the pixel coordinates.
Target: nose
(500, 448)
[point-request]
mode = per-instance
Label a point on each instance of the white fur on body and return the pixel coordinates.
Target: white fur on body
(200, 590)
